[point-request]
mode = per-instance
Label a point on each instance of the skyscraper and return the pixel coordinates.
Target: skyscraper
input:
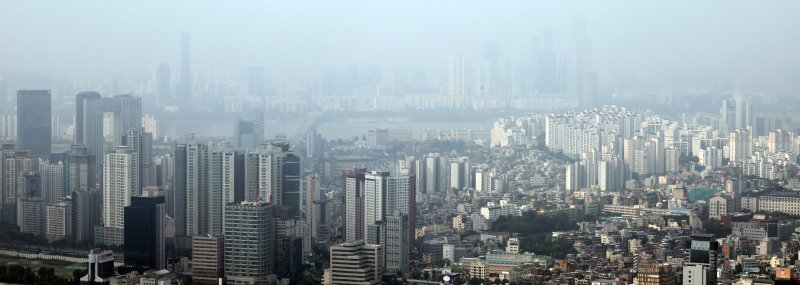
(144, 231)
(353, 183)
(81, 172)
(120, 183)
(249, 133)
(744, 114)
(215, 192)
(456, 86)
(87, 212)
(197, 197)
(81, 115)
(397, 242)
(184, 96)
(248, 242)
(127, 111)
(141, 143)
(255, 81)
(581, 79)
(178, 193)
(315, 209)
(232, 171)
(89, 109)
(389, 204)
(34, 122)
(163, 85)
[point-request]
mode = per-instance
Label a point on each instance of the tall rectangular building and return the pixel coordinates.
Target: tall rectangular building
(59, 220)
(163, 85)
(353, 184)
(197, 198)
(208, 259)
(184, 95)
(249, 243)
(81, 172)
(13, 164)
(34, 122)
(87, 212)
(142, 144)
(52, 175)
(90, 108)
(144, 231)
(31, 217)
(127, 114)
(397, 243)
(233, 176)
(120, 183)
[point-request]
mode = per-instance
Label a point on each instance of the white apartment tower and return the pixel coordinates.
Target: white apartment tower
(120, 183)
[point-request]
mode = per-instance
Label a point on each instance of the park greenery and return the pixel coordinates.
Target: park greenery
(535, 232)
(16, 274)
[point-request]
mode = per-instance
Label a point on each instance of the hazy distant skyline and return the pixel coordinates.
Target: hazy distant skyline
(669, 44)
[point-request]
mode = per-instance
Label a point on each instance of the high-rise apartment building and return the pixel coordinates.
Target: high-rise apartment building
(197, 191)
(120, 183)
(31, 217)
(59, 220)
(456, 84)
(740, 144)
(14, 164)
(34, 122)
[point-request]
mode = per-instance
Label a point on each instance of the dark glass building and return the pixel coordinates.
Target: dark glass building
(33, 122)
(144, 235)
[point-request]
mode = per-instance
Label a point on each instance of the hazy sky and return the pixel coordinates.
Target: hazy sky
(747, 43)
